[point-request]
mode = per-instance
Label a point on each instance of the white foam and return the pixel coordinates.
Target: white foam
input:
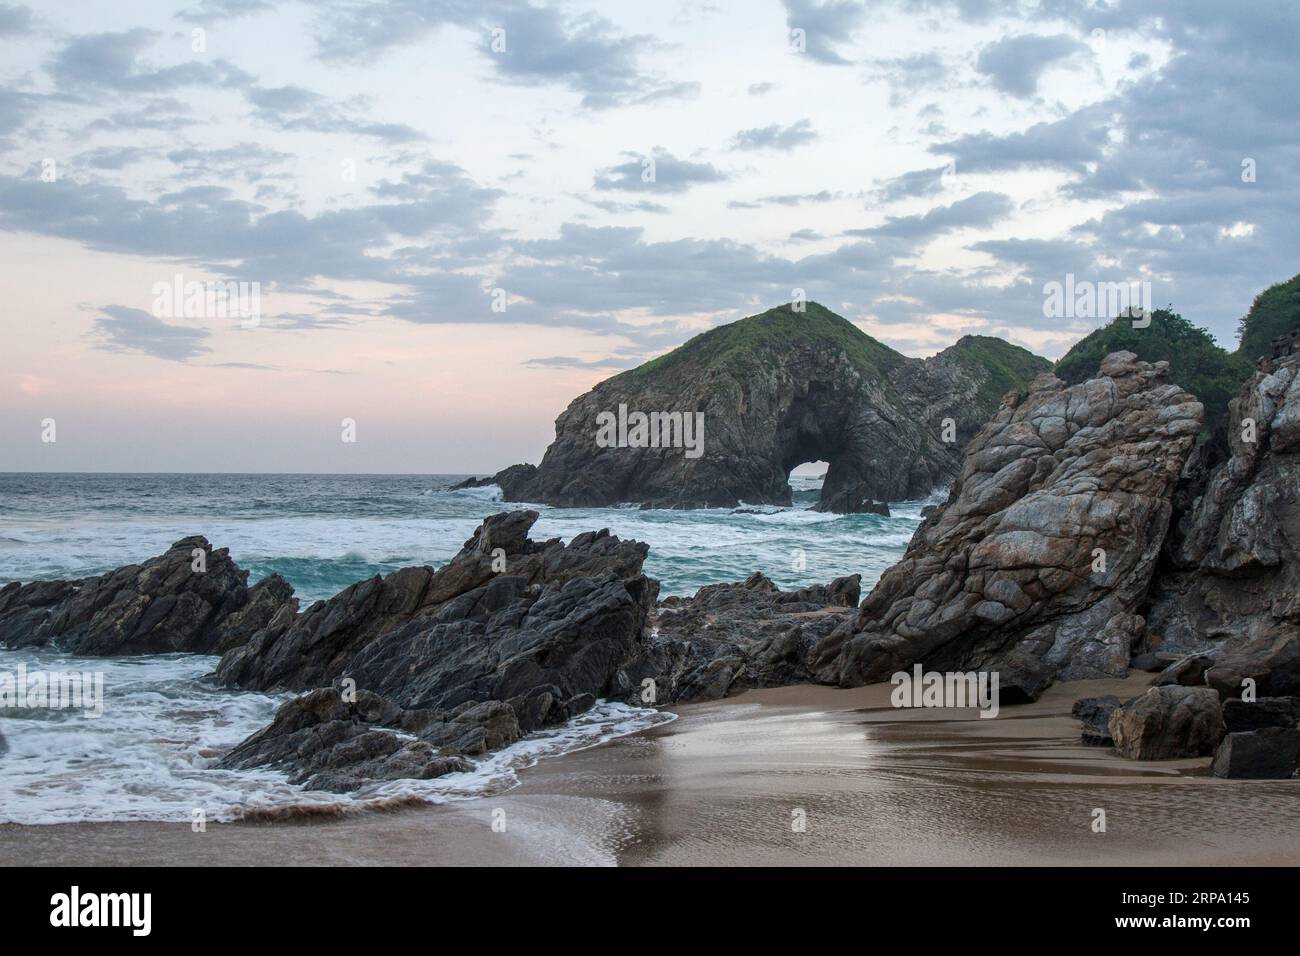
(152, 754)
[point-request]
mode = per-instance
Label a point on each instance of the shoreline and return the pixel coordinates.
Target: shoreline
(723, 783)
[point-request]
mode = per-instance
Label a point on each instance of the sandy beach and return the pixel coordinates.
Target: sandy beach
(729, 781)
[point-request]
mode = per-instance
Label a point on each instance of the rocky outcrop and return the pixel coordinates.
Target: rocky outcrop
(1039, 562)
(427, 668)
(1269, 754)
(853, 501)
(504, 616)
(1168, 722)
(763, 395)
(324, 742)
(192, 598)
(1229, 585)
(729, 637)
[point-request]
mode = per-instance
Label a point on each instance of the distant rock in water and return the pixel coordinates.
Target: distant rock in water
(737, 407)
(192, 598)
(1039, 562)
(853, 501)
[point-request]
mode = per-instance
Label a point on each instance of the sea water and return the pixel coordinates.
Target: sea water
(151, 755)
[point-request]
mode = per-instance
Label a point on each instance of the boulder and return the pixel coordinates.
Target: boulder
(1168, 722)
(192, 598)
(729, 637)
(1037, 564)
(1095, 713)
(853, 501)
(1186, 672)
(1240, 715)
(325, 742)
(1271, 753)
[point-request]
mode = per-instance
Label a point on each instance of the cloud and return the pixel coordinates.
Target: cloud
(111, 62)
(775, 136)
(291, 108)
(785, 199)
(978, 211)
(914, 184)
(760, 89)
(208, 10)
(568, 362)
(1016, 63)
(661, 171)
(122, 329)
(526, 45)
(14, 19)
(827, 26)
(112, 157)
(1070, 144)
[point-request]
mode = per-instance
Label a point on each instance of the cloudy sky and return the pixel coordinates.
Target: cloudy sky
(462, 214)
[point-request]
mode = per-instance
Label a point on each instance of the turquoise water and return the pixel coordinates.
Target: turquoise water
(151, 754)
(324, 532)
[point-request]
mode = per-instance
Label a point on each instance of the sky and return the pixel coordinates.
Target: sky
(458, 216)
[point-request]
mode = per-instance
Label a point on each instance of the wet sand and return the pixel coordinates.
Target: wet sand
(728, 782)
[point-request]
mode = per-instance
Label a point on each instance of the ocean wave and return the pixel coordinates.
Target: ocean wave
(153, 753)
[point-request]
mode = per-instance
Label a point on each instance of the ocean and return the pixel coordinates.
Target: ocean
(150, 755)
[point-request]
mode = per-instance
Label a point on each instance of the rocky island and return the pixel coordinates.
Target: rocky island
(796, 383)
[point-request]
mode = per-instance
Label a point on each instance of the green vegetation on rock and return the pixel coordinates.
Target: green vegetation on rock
(1009, 366)
(745, 343)
(1196, 362)
(1275, 311)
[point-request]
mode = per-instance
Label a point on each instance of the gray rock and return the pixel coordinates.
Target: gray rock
(1168, 722)
(161, 606)
(1095, 713)
(1002, 578)
(1268, 754)
(1229, 584)
(775, 390)
(326, 743)
(1186, 672)
(853, 501)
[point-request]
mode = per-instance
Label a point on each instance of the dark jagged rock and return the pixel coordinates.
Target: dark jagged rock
(503, 616)
(1187, 672)
(327, 743)
(1095, 713)
(1152, 663)
(1168, 722)
(1240, 716)
(853, 501)
(1006, 575)
(158, 607)
(776, 390)
(729, 637)
(1268, 754)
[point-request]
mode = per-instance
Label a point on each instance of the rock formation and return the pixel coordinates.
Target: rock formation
(1037, 564)
(1229, 586)
(192, 598)
(773, 391)
(417, 670)
(1168, 722)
